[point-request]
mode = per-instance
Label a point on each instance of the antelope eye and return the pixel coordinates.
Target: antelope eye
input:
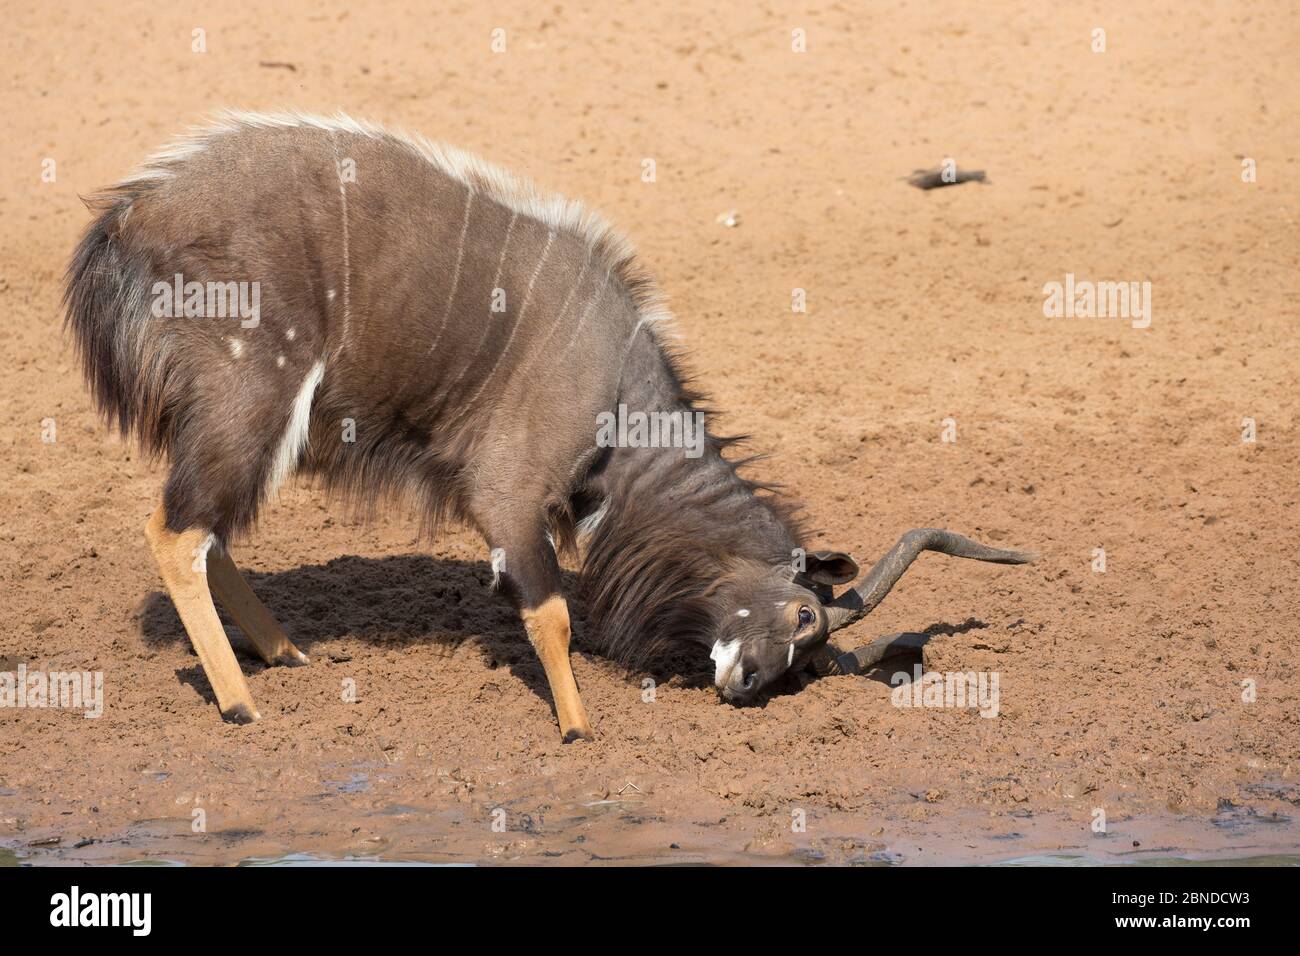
(806, 616)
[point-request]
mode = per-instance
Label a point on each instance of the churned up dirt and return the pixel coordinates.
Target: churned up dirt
(1160, 697)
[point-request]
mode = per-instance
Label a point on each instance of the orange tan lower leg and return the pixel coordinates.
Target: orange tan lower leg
(182, 559)
(548, 629)
(230, 588)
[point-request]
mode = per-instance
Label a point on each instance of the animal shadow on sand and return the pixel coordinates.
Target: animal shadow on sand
(397, 602)
(884, 670)
(408, 600)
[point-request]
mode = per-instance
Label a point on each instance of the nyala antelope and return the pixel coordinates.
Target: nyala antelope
(429, 326)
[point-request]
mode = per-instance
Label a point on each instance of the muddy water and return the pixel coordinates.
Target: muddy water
(634, 828)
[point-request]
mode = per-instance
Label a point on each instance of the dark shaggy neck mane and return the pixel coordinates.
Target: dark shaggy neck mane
(670, 529)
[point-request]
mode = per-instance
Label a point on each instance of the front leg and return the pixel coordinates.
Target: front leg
(548, 630)
(525, 566)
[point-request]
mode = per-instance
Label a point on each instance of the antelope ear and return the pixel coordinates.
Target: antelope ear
(829, 567)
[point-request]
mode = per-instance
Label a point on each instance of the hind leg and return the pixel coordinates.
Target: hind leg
(240, 431)
(230, 588)
(182, 558)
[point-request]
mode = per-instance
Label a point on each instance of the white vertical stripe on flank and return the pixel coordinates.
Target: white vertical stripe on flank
(587, 311)
(564, 307)
(496, 284)
(528, 295)
(295, 433)
(455, 274)
(519, 320)
(501, 260)
(347, 254)
(540, 348)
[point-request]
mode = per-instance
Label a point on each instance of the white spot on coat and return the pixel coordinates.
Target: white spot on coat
(290, 333)
(236, 348)
(743, 612)
(279, 361)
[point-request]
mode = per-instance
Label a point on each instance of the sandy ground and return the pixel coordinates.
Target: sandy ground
(1121, 692)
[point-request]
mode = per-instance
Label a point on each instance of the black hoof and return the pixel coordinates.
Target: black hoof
(240, 714)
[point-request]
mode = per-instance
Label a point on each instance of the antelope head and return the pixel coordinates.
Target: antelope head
(768, 621)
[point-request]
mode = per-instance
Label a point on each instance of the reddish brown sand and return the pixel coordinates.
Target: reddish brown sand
(1120, 691)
